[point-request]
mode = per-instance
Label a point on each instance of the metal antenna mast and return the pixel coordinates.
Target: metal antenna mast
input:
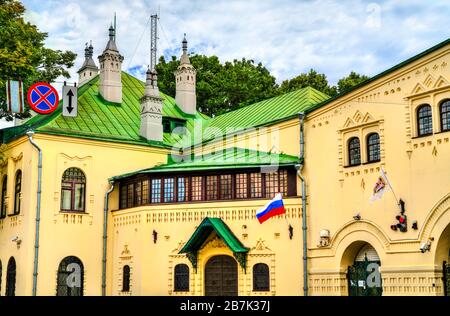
(153, 41)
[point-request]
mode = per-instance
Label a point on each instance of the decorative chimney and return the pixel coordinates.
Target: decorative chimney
(151, 109)
(186, 77)
(110, 86)
(89, 69)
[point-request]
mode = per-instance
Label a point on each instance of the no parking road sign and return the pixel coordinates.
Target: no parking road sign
(43, 98)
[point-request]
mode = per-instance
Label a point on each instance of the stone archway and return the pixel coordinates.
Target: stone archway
(362, 265)
(221, 276)
(442, 259)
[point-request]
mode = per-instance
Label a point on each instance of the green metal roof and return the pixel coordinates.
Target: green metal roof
(202, 233)
(384, 73)
(102, 120)
(266, 112)
(231, 158)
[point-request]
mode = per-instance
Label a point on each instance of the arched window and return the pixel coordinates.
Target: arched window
(73, 190)
(126, 279)
(17, 192)
(11, 278)
(261, 278)
(424, 120)
(445, 115)
(181, 278)
(3, 206)
(373, 147)
(354, 151)
(70, 277)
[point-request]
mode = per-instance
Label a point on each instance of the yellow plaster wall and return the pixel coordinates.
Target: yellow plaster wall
(64, 234)
(416, 167)
(153, 263)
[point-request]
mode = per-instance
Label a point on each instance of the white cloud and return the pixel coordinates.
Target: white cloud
(287, 36)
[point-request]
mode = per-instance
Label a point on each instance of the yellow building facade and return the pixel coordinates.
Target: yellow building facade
(180, 214)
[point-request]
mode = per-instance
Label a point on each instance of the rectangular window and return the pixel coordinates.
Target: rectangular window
(145, 192)
(212, 188)
(283, 182)
(156, 190)
(130, 197)
(183, 183)
(255, 185)
(241, 186)
(225, 187)
(66, 196)
(169, 187)
(272, 186)
(197, 188)
(138, 193)
(79, 197)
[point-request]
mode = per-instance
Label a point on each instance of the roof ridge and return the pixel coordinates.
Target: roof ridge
(381, 74)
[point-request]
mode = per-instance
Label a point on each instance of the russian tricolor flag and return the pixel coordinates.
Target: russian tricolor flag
(273, 208)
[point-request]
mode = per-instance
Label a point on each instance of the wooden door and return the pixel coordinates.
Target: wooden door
(221, 276)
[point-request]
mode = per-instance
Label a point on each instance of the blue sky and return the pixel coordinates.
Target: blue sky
(288, 36)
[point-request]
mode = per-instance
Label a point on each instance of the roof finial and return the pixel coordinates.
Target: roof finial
(185, 43)
(91, 49)
(111, 33)
(86, 51)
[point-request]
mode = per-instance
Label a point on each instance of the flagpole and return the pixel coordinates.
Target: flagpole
(392, 190)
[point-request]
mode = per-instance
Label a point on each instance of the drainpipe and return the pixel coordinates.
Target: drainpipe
(299, 168)
(38, 212)
(105, 236)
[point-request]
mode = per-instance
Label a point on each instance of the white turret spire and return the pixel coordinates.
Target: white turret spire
(110, 86)
(186, 77)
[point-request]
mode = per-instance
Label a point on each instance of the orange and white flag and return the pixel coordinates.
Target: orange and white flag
(380, 187)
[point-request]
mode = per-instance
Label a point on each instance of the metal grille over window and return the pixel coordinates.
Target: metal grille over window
(17, 192)
(11, 278)
(373, 147)
(70, 277)
(73, 190)
(181, 278)
(261, 277)
(354, 151)
(424, 120)
(126, 279)
(4, 192)
(445, 116)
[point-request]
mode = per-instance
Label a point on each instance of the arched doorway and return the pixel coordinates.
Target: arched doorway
(11, 278)
(221, 276)
(443, 259)
(70, 277)
(364, 278)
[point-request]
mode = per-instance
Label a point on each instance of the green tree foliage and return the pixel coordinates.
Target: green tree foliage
(23, 55)
(229, 86)
(221, 87)
(310, 79)
(350, 81)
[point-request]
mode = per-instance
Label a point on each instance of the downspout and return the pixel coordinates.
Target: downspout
(38, 212)
(299, 167)
(105, 236)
